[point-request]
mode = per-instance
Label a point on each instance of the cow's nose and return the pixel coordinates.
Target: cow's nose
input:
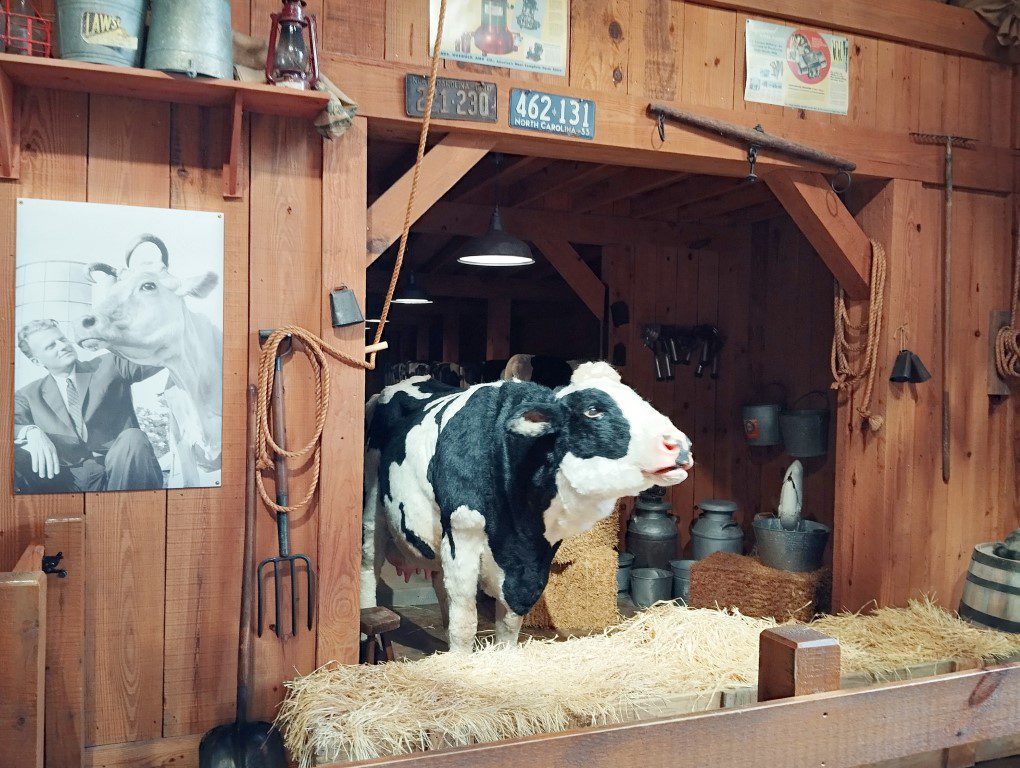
(88, 321)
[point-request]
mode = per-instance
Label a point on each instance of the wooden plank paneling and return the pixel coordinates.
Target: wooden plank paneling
(23, 672)
(285, 287)
(344, 186)
(704, 389)
(707, 57)
(65, 639)
(354, 27)
(203, 541)
(600, 44)
(407, 31)
(129, 146)
(655, 69)
(176, 752)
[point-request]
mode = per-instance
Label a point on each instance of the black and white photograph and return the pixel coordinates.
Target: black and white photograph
(118, 324)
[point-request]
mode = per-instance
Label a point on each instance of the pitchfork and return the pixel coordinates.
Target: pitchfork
(282, 525)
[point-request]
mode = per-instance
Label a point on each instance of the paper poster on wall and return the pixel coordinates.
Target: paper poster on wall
(119, 371)
(520, 34)
(797, 67)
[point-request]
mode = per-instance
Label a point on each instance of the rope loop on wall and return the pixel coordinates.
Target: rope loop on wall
(1007, 340)
(846, 377)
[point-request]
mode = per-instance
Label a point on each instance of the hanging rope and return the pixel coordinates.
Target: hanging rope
(847, 378)
(317, 350)
(1007, 340)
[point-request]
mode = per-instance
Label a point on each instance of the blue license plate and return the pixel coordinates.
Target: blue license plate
(552, 113)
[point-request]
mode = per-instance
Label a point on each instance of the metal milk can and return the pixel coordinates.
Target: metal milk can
(651, 533)
(192, 37)
(715, 529)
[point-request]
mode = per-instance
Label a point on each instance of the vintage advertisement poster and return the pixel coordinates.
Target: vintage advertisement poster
(797, 67)
(520, 34)
(118, 323)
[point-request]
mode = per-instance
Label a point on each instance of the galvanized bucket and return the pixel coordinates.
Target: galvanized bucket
(681, 579)
(761, 420)
(798, 550)
(625, 561)
(192, 37)
(650, 585)
(806, 431)
(102, 31)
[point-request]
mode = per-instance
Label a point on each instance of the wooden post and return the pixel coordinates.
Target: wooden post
(796, 661)
(451, 337)
(424, 329)
(497, 330)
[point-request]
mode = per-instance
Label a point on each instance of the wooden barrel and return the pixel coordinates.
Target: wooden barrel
(991, 594)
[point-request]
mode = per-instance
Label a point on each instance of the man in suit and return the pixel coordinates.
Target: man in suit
(75, 429)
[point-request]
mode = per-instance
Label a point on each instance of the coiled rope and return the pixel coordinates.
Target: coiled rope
(845, 377)
(317, 350)
(1007, 340)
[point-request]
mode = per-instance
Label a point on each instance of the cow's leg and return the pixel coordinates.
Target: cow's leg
(444, 599)
(508, 624)
(373, 533)
(461, 565)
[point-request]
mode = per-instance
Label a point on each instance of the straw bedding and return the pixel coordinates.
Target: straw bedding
(360, 712)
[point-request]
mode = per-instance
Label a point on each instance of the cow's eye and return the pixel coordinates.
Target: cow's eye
(593, 412)
(147, 286)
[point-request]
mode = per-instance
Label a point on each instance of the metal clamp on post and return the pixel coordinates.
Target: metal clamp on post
(50, 563)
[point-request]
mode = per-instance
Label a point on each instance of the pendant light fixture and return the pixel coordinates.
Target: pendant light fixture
(411, 293)
(496, 248)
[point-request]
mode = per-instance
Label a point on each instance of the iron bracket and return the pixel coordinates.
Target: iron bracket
(50, 563)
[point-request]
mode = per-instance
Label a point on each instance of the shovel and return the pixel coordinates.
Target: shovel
(244, 744)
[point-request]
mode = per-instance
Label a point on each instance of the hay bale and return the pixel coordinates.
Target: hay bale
(581, 594)
(342, 712)
(726, 580)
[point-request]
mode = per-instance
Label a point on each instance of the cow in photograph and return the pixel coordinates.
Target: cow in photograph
(142, 316)
(481, 485)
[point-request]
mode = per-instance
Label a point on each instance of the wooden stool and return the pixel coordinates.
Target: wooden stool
(375, 623)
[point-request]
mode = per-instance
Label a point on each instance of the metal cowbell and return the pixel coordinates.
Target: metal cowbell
(192, 37)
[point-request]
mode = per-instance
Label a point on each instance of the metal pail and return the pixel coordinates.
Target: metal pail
(650, 585)
(805, 431)
(798, 550)
(102, 31)
(625, 561)
(761, 419)
(192, 37)
(681, 579)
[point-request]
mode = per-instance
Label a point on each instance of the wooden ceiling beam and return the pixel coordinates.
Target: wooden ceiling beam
(471, 287)
(742, 196)
(555, 178)
(689, 191)
(576, 273)
(632, 183)
(442, 167)
(484, 175)
(828, 225)
(531, 223)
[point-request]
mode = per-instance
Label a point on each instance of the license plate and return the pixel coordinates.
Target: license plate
(552, 113)
(454, 100)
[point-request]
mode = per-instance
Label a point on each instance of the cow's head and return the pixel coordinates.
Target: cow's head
(137, 311)
(613, 443)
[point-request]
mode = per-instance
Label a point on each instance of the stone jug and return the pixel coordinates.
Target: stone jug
(651, 534)
(715, 530)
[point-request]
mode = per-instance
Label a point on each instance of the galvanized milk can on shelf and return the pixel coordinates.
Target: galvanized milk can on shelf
(651, 533)
(102, 31)
(192, 37)
(715, 530)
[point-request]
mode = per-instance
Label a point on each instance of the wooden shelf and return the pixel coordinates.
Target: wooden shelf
(149, 85)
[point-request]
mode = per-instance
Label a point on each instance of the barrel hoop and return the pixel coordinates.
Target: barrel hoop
(996, 562)
(995, 622)
(1009, 589)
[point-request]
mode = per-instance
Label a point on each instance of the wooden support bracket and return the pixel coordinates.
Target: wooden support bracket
(827, 224)
(796, 661)
(232, 157)
(582, 281)
(10, 130)
(442, 167)
(23, 671)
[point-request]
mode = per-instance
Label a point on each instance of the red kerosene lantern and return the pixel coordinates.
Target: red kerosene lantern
(494, 36)
(291, 61)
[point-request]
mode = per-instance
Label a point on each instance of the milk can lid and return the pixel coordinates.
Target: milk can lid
(717, 505)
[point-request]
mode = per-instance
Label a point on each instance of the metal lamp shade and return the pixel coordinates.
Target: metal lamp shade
(496, 248)
(411, 293)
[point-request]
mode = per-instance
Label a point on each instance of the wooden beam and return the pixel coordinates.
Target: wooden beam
(471, 287)
(626, 135)
(796, 660)
(441, 167)
(497, 329)
(631, 184)
(10, 129)
(828, 226)
(483, 176)
(530, 223)
(451, 337)
(840, 729)
(742, 196)
(914, 22)
(30, 560)
(23, 669)
(687, 192)
(65, 640)
(556, 177)
(576, 273)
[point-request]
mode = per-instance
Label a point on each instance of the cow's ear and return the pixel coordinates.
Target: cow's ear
(198, 286)
(535, 419)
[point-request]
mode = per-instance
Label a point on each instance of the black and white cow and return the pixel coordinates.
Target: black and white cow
(481, 485)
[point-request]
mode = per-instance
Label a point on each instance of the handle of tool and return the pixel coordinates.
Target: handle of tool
(244, 650)
(280, 434)
(947, 307)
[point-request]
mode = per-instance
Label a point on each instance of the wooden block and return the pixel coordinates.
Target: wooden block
(30, 560)
(378, 619)
(65, 639)
(23, 671)
(795, 661)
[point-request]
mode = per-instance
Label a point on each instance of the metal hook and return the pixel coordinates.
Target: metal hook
(50, 563)
(660, 121)
(752, 157)
(841, 190)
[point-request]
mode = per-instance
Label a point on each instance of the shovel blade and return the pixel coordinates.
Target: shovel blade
(242, 745)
